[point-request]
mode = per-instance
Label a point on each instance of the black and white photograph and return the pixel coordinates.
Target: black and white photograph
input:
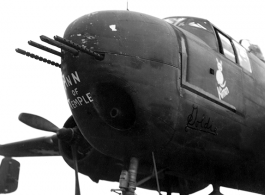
(132, 97)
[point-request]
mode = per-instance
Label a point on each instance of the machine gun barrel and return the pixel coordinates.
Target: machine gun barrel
(37, 57)
(79, 47)
(42, 47)
(58, 44)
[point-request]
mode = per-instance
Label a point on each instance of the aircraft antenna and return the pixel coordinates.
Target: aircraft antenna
(127, 6)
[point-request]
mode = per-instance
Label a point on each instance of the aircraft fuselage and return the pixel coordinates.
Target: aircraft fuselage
(161, 89)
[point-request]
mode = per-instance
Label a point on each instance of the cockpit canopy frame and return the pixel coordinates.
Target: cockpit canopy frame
(214, 38)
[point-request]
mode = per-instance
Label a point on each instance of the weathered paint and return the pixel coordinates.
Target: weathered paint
(200, 119)
(179, 110)
(159, 89)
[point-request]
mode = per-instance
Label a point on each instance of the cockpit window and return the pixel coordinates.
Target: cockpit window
(175, 21)
(226, 47)
(194, 22)
(242, 57)
(198, 27)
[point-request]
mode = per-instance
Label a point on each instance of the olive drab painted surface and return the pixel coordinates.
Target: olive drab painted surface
(177, 96)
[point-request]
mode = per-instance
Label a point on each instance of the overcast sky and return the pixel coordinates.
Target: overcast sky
(31, 86)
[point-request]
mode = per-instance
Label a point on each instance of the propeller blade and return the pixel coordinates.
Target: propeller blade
(74, 153)
(37, 122)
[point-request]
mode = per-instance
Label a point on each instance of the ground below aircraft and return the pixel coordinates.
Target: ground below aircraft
(169, 105)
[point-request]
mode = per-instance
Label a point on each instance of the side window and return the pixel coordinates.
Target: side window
(226, 47)
(242, 57)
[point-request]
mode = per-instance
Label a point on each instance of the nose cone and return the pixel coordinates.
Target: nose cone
(116, 101)
(124, 33)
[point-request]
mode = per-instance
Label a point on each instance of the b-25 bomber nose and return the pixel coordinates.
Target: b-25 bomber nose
(116, 101)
